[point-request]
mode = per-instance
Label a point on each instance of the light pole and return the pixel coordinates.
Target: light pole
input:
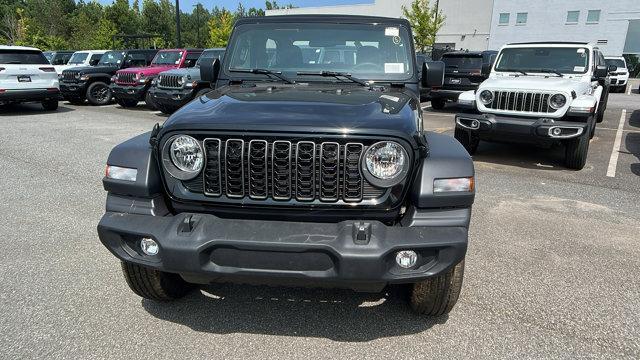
(197, 6)
(178, 41)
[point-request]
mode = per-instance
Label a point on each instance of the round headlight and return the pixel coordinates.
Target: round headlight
(180, 81)
(557, 101)
(187, 157)
(386, 163)
(486, 97)
(77, 75)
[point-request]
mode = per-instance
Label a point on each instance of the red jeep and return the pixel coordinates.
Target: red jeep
(129, 86)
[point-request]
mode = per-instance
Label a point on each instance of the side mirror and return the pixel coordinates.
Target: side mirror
(486, 69)
(432, 74)
(612, 68)
(209, 70)
(601, 72)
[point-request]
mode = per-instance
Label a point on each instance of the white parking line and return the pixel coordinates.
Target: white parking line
(613, 160)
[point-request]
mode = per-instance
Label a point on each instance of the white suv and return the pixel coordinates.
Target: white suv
(26, 75)
(81, 58)
(620, 77)
(540, 93)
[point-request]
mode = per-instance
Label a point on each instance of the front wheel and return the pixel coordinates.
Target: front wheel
(153, 284)
(99, 93)
(469, 140)
(437, 295)
(50, 105)
(576, 151)
(127, 103)
(438, 104)
(148, 99)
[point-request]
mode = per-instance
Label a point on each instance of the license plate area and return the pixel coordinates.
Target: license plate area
(454, 81)
(24, 78)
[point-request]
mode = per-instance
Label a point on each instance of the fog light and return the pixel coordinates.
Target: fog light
(475, 124)
(557, 131)
(406, 258)
(149, 246)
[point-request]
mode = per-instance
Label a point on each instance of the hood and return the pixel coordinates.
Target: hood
(301, 108)
(193, 72)
(148, 70)
(94, 69)
(537, 83)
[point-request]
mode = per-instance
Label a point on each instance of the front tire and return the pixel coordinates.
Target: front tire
(99, 93)
(50, 105)
(438, 104)
(148, 99)
(153, 284)
(576, 151)
(437, 295)
(469, 140)
(127, 103)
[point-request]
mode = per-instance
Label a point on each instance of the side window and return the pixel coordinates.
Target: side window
(135, 60)
(190, 60)
(95, 59)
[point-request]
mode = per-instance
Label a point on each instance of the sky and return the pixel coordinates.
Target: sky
(186, 5)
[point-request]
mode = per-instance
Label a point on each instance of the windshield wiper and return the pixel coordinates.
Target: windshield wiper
(552, 71)
(513, 70)
(277, 74)
(335, 74)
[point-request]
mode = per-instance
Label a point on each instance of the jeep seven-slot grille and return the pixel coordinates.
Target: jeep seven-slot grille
(521, 101)
(69, 76)
(283, 170)
(170, 81)
(126, 77)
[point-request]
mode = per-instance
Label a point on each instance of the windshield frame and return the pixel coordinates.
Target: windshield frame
(587, 68)
(226, 74)
(121, 55)
(180, 60)
(86, 56)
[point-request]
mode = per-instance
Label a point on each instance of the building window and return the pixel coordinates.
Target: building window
(504, 19)
(593, 16)
(573, 17)
(521, 18)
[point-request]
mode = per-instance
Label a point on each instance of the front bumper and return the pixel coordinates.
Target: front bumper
(174, 98)
(27, 95)
(519, 129)
(204, 248)
(618, 81)
(76, 90)
(133, 92)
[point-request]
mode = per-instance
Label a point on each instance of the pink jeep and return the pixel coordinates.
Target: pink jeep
(130, 85)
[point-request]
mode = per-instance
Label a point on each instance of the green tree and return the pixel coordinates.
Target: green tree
(220, 26)
(425, 23)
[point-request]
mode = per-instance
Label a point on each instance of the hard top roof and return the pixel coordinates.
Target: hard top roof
(12, 47)
(346, 19)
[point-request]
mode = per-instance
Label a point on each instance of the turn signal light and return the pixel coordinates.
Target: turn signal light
(466, 184)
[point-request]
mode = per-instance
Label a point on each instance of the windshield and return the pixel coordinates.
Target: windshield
(569, 60)
(366, 51)
(210, 54)
(462, 62)
(167, 58)
(78, 58)
(29, 57)
(111, 58)
(617, 62)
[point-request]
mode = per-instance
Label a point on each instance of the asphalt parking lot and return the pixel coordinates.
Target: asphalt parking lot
(553, 267)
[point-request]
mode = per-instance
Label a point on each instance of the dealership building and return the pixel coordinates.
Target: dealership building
(614, 25)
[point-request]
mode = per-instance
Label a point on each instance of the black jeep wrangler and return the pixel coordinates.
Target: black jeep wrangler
(297, 171)
(464, 70)
(92, 82)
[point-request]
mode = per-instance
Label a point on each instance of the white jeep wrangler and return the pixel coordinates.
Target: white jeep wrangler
(81, 58)
(26, 76)
(540, 93)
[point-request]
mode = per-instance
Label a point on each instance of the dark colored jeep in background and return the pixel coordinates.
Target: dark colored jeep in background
(131, 85)
(92, 82)
(171, 89)
(294, 172)
(58, 57)
(464, 70)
